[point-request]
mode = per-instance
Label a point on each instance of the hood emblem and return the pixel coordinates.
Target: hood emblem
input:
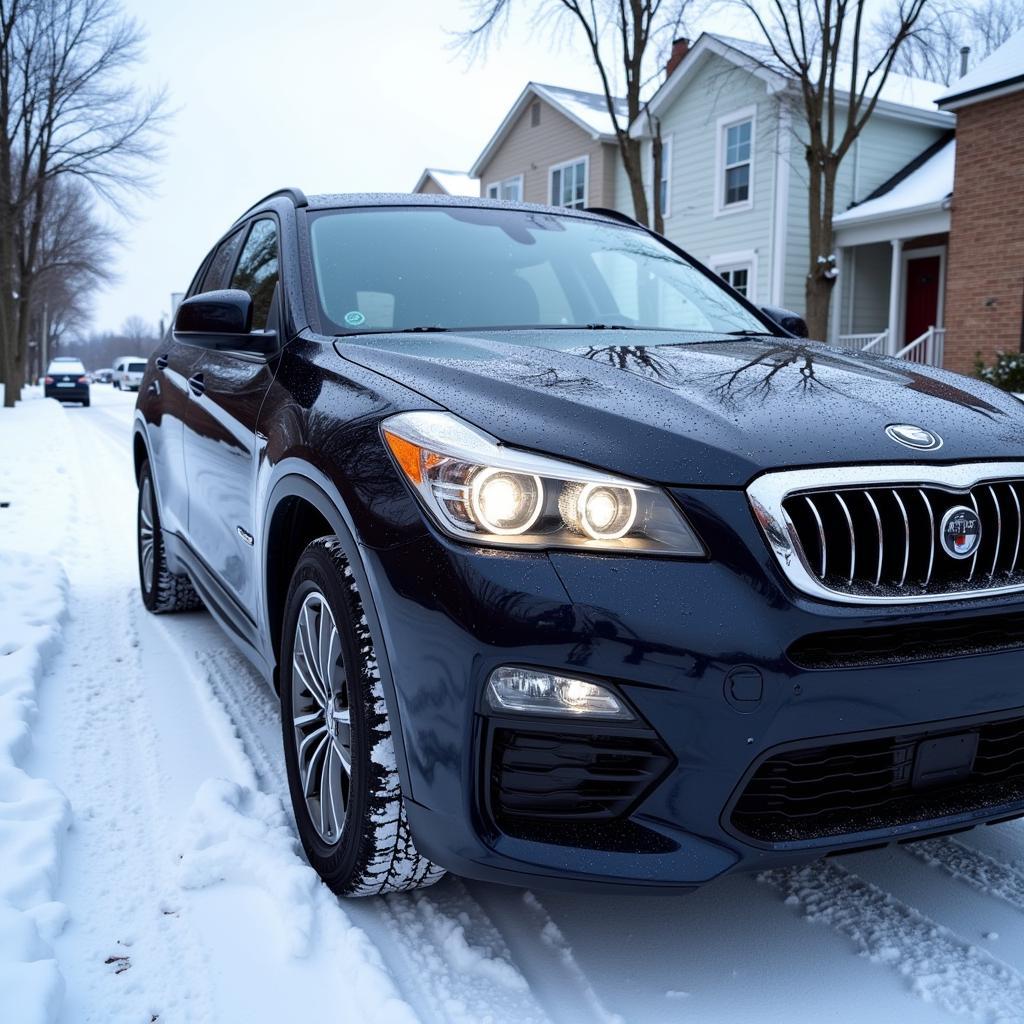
(914, 437)
(960, 532)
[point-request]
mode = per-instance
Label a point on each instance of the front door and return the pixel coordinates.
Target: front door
(922, 306)
(226, 392)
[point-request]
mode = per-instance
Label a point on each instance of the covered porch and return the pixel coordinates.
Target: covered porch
(891, 256)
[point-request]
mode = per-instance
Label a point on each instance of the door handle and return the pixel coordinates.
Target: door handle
(196, 384)
(161, 362)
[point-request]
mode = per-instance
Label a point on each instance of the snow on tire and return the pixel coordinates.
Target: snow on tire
(339, 750)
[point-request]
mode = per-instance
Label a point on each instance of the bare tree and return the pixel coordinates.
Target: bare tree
(67, 110)
(933, 49)
(627, 38)
(73, 260)
(835, 77)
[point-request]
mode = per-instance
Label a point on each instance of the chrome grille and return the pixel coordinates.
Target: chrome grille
(871, 534)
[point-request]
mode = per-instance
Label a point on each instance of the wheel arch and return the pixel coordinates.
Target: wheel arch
(303, 505)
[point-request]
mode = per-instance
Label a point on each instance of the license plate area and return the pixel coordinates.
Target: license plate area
(944, 759)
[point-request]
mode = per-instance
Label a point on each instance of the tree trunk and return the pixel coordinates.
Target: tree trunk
(632, 163)
(657, 156)
(821, 270)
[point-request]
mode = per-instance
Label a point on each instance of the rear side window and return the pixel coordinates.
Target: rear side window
(220, 265)
(257, 270)
(136, 367)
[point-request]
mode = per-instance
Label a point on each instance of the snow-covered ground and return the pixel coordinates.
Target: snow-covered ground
(149, 869)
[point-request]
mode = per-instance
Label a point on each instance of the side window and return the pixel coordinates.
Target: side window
(221, 263)
(257, 270)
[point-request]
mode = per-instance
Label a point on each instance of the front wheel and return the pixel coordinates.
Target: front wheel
(162, 591)
(338, 746)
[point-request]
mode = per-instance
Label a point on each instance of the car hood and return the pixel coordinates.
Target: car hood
(693, 409)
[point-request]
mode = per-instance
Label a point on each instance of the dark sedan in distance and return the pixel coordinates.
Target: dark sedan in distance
(66, 380)
(570, 565)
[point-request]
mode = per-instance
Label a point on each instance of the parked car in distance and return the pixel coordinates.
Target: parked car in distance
(128, 372)
(570, 565)
(66, 380)
(104, 376)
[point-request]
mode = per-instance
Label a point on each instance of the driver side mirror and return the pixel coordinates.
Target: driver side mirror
(792, 323)
(222, 320)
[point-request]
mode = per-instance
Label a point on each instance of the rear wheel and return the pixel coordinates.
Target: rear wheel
(338, 746)
(162, 591)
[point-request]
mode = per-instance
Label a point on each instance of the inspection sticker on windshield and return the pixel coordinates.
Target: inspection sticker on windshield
(354, 318)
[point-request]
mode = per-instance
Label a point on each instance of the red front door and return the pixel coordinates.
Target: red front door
(922, 308)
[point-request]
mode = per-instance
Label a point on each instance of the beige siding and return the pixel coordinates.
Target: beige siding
(431, 188)
(532, 150)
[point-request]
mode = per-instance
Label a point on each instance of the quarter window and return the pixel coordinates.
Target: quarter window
(511, 190)
(257, 270)
(736, 186)
(569, 184)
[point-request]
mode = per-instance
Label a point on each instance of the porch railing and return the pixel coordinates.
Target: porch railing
(864, 342)
(927, 349)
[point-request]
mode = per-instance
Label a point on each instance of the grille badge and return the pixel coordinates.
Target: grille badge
(910, 436)
(960, 532)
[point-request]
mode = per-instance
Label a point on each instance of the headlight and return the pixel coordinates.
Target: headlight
(479, 490)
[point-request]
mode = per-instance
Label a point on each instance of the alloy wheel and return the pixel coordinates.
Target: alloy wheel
(321, 718)
(147, 535)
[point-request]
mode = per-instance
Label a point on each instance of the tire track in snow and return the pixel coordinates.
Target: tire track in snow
(940, 966)
(445, 953)
(977, 869)
(122, 904)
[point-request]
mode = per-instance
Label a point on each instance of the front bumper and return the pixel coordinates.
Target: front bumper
(674, 636)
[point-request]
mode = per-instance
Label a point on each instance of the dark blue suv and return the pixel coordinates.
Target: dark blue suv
(570, 565)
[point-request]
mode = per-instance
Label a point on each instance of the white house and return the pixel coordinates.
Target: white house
(734, 181)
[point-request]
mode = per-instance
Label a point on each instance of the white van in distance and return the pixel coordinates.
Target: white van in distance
(128, 372)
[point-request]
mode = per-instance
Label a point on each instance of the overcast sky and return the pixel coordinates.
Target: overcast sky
(328, 95)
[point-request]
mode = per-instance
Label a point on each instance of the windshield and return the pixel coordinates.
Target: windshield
(394, 268)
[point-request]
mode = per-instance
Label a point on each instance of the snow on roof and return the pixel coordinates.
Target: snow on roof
(902, 90)
(590, 108)
(1000, 68)
(455, 183)
(928, 186)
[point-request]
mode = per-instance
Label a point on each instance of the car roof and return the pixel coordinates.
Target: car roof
(343, 200)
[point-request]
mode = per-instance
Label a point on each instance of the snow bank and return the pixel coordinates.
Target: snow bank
(34, 815)
(241, 836)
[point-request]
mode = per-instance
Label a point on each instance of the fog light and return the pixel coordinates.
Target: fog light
(528, 690)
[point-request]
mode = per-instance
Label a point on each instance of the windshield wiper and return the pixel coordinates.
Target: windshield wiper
(420, 329)
(610, 327)
(752, 334)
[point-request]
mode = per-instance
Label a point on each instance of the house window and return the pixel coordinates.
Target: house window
(738, 277)
(735, 161)
(569, 184)
(664, 182)
(738, 269)
(511, 189)
(534, 115)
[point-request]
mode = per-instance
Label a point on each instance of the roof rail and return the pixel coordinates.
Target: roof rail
(296, 195)
(614, 214)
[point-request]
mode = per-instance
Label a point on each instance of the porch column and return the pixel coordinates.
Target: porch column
(895, 289)
(836, 312)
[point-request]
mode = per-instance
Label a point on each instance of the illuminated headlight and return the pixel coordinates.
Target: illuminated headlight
(480, 490)
(530, 691)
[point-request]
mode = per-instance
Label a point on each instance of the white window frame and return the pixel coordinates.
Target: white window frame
(666, 174)
(517, 178)
(746, 260)
(724, 123)
(585, 160)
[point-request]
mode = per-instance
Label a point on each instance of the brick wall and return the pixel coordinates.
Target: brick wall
(985, 277)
